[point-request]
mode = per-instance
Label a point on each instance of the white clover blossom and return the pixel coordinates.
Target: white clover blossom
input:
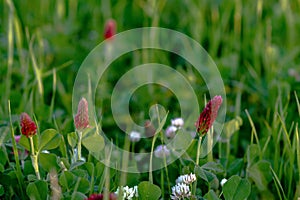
(170, 131)
(223, 181)
(180, 191)
(187, 179)
(128, 193)
(161, 151)
(178, 122)
(134, 136)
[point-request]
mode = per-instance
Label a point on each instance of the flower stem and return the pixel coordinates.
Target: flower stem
(79, 145)
(197, 162)
(198, 150)
(151, 158)
(34, 159)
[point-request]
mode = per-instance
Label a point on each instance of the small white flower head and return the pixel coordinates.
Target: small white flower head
(128, 193)
(178, 122)
(46, 151)
(180, 191)
(223, 181)
(136, 192)
(161, 151)
(187, 179)
(134, 136)
(170, 131)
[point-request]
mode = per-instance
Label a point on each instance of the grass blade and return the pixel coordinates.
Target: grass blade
(254, 131)
(278, 185)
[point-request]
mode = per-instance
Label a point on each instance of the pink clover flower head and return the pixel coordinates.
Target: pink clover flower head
(208, 115)
(28, 127)
(112, 196)
(110, 29)
(81, 119)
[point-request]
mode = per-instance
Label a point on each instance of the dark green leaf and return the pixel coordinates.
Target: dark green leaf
(24, 141)
(204, 174)
(49, 139)
(148, 191)
(48, 161)
(84, 185)
(93, 141)
(1, 190)
(214, 167)
(261, 174)
(74, 196)
(72, 139)
(211, 195)
(200, 173)
(235, 167)
(1, 168)
(37, 190)
(67, 180)
(252, 154)
(89, 167)
(3, 156)
(76, 164)
(236, 188)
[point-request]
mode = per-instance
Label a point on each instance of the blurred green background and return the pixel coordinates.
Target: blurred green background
(254, 44)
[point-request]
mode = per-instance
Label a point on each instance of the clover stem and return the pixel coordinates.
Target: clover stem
(198, 150)
(34, 159)
(197, 162)
(79, 145)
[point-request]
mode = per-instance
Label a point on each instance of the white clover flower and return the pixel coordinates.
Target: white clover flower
(178, 122)
(187, 179)
(223, 181)
(134, 136)
(128, 193)
(170, 131)
(161, 151)
(136, 192)
(180, 191)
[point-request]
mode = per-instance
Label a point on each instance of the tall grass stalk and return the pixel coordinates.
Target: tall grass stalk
(16, 154)
(125, 158)
(10, 49)
(254, 133)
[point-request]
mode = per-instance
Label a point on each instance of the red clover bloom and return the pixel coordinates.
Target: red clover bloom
(110, 29)
(28, 127)
(81, 120)
(112, 196)
(208, 115)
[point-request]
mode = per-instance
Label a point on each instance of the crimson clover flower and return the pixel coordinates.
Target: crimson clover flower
(28, 127)
(208, 115)
(110, 29)
(112, 196)
(81, 120)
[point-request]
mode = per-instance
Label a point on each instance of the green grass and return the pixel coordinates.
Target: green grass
(254, 44)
